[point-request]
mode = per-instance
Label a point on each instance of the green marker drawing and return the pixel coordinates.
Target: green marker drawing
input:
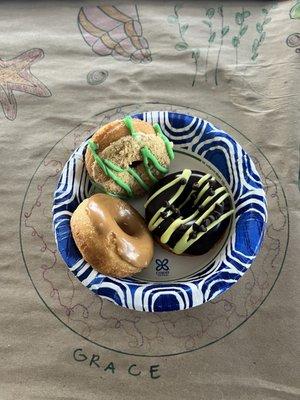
(242, 29)
(210, 12)
(260, 28)
(223, 33)
(183, 44)
(295, 11)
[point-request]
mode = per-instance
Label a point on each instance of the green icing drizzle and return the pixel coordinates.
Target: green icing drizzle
(168, 144)
(138, 178)
(108, 167)
(113, 166)
(129, 125)
(93, 147)
(148, 155)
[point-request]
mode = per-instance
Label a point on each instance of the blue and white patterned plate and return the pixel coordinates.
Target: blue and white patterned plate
(175, 282)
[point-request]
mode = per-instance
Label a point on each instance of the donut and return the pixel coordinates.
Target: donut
(126, 157)
(111, 236)
(188, 212)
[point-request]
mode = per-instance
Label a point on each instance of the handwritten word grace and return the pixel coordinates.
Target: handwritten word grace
(111, 367)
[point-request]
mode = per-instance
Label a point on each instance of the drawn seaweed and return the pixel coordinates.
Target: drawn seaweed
(212, 35)
(260, 28)
(183, 44)
(242, 29)
(223, 32)
(182, 29)
(217, 29)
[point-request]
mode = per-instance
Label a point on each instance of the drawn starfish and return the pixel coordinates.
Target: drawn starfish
(15, 75)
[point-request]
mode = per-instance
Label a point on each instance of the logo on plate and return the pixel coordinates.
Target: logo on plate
(162, 267)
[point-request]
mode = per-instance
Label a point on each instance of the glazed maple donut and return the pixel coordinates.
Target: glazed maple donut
(111, 236)
(126, 157)
(188, 212)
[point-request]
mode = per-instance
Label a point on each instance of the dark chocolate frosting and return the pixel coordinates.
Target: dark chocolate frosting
(188, 212)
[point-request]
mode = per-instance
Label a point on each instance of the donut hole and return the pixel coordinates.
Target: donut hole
(135, 164)
(127, 228)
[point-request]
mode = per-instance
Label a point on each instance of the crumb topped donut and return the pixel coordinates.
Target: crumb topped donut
(126, 157)
(188, 212)
(111, 236)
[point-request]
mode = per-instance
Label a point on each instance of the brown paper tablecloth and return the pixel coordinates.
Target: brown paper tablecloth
(233, 63)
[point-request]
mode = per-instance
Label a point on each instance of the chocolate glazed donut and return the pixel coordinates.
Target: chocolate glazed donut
(188, 212)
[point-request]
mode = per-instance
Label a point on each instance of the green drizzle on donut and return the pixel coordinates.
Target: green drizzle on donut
(111, 169)
(168, 144)
(108, 167)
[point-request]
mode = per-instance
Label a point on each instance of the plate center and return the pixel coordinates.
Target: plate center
(168, 267)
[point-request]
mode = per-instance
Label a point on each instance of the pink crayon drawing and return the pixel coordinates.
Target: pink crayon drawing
(112, 32)
(15, 75)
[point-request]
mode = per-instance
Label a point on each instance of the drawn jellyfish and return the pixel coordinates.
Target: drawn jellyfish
(111, 32)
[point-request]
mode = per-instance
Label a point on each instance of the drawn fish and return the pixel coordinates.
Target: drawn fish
(112, 32)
